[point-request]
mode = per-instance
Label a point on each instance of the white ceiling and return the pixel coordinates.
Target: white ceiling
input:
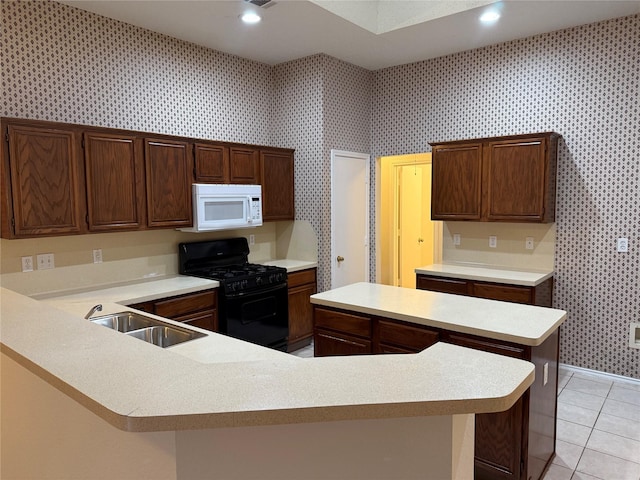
(293, 29)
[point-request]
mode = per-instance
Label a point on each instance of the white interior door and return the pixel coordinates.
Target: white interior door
(349, 218)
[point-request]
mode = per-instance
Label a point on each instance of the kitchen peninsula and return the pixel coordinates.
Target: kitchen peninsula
(365, 318)
(94, 403)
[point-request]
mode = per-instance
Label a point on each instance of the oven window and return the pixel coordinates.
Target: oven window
(223, 210)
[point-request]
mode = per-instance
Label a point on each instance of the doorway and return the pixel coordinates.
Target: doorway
(408, 237)
(350, 213)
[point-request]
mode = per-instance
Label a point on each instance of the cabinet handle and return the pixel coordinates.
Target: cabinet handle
(340, 258)
(420, 240)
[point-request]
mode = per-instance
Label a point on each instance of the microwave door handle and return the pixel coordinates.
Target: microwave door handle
(249, 209)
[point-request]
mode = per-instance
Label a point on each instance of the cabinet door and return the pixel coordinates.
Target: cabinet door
(515, 179)
(212, 163)
(276, 173)
(168, 176)
(456, 182)
(244, 166)
(327, 343)
(45, 171)
(115, 182)
(302, 285)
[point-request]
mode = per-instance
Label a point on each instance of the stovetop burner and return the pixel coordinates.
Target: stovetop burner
(227, 262)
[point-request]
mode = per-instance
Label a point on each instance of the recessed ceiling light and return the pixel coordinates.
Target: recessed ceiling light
(490, 16)
(250, 17)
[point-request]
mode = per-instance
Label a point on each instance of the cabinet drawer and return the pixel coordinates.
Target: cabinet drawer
(406, 336)
(328, 343)
(443, 285)
(301, 277)
(342, 322)
(505, 293)
(488, 345)
(178, 306)
(207, 320)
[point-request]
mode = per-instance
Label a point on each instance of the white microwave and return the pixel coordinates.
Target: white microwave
(225, 207)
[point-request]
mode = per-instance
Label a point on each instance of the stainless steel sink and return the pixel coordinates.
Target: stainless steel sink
(164, 336)
(148, 329)
(125, 321)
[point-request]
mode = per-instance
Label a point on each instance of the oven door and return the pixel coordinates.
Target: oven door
(259, 316)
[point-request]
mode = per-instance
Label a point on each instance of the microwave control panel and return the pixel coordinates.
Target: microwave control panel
(256, 214)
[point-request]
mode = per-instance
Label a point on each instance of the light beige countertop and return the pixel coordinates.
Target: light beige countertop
(291, 265)
(219, 381)
(512, 322)
(527, 278)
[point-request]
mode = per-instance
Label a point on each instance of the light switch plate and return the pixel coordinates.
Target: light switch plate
(97, 255)
(456, 239)
(45, 261)
(493, 241)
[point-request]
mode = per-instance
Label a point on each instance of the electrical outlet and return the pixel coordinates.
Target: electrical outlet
(528, 243)
(456, 239)
(493, 241)
(252, 239)
(97, 255)
(623, 245)
(27, 264)
(45, 261)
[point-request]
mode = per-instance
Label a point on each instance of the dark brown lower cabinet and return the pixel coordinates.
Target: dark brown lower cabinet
(539, 295)
(198, 309)
(517, 444)
(302, 284)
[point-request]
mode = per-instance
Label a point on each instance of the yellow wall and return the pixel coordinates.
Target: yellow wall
(387, 261)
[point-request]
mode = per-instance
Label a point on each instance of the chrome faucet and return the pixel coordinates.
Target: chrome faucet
(94, 309)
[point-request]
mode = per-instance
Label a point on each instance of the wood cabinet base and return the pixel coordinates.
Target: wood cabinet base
(517, 444)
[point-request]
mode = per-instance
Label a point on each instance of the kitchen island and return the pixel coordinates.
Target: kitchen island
(80, 400)
(365, 319)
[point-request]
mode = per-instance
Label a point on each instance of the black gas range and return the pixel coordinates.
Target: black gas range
(253, 298)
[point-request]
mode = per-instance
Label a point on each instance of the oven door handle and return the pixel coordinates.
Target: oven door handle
(260, 291)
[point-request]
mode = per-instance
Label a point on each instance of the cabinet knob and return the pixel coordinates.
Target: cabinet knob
(340, 258)
(420, 240)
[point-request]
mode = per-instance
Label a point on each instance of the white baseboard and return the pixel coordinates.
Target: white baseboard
(610, 376)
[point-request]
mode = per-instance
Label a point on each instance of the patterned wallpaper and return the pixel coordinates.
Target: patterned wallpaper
(320, 104)
(584, 83)
(63, 64)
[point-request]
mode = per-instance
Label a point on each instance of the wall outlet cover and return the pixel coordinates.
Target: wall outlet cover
(27, 264)
(623, 245)
(456, 239)
(493, 241)
(528, 243)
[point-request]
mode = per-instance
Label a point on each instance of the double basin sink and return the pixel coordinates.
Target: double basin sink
(145, 328)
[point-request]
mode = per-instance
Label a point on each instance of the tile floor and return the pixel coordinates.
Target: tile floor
(598, 429)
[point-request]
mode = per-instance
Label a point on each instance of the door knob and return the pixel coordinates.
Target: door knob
(340, 258)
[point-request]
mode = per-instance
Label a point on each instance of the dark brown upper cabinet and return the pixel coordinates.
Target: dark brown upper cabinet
(244, 165)
(212, 163)
(168, 168)
(457, 182)
(114, 171)
(276, 172)
(42, 181)
(500, 179)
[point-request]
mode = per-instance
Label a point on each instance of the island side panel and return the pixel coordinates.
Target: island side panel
(438, 447)
(49, 436)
